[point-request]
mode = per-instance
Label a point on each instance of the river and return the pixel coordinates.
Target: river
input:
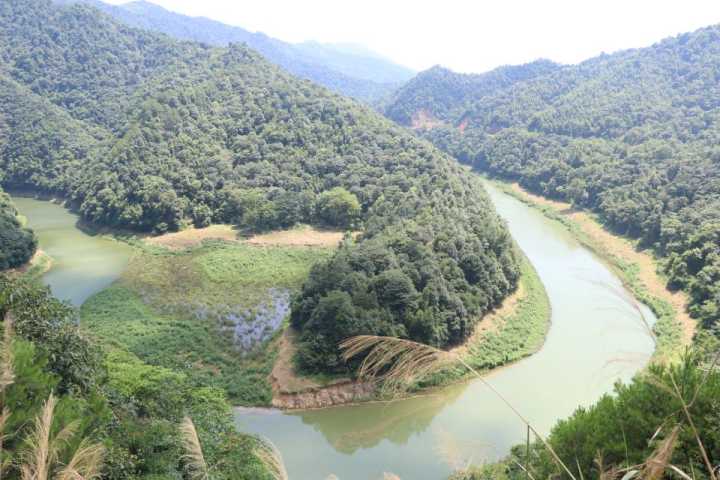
(82, 264)
(595, 339)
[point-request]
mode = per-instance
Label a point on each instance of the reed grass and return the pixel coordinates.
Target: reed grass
(270, 456)
(194, 458)
(85, 464)
(398, 363)
(7, 378)
(42, 448)
(7, 374)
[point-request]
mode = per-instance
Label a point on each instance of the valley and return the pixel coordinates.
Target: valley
(229, 255)
(145, 313)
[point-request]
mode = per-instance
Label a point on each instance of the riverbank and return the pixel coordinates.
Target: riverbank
(638, 269)
(39, 265)
(429, 435)
(513, 331)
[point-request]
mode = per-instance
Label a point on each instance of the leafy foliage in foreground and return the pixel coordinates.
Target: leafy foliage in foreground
(626, 428)
(133, 408)
(633, 136)
(173, 133)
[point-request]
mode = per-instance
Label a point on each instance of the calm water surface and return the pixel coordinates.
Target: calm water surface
(595, 339)
(83, 264)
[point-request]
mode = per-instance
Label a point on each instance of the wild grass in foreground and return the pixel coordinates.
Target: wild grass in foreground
(51, 448)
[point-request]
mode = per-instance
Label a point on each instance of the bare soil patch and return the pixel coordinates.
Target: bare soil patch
(424, 120)
(299, 237)
(305, 236)
(193, 237)
(283, 376)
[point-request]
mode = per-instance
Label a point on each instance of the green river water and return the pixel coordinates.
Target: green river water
(83, 264)
(595, 339)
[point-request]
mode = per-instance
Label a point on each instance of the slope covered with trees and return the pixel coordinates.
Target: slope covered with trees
(143, 132)
(362, 75)
(17, 244)
(631, 135)
(445, 96)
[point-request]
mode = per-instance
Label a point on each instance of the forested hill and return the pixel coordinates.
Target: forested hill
(351, 72)
(439, 95)
(143, 132)
(632, 135)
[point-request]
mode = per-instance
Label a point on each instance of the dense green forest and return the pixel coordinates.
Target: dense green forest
(445, 96)
(143, 132)
(350, 71)
(632, 136)
(17, 244)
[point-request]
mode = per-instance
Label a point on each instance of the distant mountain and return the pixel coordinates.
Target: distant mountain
(347, 69)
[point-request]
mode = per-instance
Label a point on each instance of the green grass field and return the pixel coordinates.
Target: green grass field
(172, 309)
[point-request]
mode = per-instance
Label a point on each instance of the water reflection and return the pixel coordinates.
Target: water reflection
(348, 429)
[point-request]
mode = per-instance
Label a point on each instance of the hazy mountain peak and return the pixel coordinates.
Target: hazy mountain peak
(349, 69)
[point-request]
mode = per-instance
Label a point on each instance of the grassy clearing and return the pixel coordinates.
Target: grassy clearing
(219, 273)
(181, 310)
(119, 317)
(669, 330)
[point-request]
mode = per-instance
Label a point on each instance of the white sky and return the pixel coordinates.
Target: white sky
(466, 36)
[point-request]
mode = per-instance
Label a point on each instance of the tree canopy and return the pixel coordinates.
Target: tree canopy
(144, 132)
(633, 136)
(17, 244)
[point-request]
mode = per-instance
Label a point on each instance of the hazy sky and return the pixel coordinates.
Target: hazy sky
(466, 36)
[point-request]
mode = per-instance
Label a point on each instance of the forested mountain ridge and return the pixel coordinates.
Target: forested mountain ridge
(356, 74)
(440, 95)
(143, 132)
(632, 135)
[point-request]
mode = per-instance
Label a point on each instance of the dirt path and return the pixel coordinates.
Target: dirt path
(193, 237)
(294, 392)
(299, 237)
(626, 250)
